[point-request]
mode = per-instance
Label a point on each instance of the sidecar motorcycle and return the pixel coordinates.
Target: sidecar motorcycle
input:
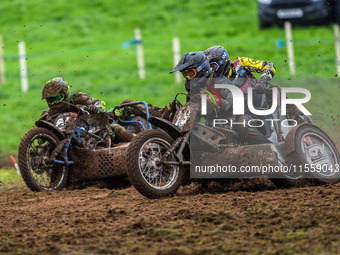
(158, 162)
(77, 145)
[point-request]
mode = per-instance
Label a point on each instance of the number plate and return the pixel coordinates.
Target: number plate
(289, 13)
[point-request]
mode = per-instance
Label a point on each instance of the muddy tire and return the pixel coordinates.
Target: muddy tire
(288, 179)
(316, 154)
(37, 171)
(151, 180)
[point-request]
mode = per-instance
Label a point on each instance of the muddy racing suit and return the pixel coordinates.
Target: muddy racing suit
(89, 104)
(241, 75)
(244, 67)
(250, 135)
(92, 105)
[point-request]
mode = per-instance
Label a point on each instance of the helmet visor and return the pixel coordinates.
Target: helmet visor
(56, 99)
(189, 74)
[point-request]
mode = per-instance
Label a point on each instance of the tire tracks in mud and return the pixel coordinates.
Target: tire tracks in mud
(246, 216)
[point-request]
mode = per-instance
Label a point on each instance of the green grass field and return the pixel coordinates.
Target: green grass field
(9, 177)
(82, 42)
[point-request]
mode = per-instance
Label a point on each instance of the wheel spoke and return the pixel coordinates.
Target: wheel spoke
(158, 177)
(44, 174)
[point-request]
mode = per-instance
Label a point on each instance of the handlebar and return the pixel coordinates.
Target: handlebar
(79, 107)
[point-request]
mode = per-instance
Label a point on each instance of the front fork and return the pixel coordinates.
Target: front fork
(63, 151)
(180, 142)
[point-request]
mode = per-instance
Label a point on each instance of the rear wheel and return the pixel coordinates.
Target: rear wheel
(316, 155)
(37, 169)
(149, 178)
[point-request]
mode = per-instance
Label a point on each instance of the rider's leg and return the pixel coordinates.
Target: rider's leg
(250, 134)
(121, 133)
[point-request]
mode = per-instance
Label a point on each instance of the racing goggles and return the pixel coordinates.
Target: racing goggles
(189, 74)
(216, 64)
(56, 99)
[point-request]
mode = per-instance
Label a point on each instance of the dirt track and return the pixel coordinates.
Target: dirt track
(247, 217)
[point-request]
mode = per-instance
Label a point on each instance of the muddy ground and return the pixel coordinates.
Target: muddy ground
(248, 216)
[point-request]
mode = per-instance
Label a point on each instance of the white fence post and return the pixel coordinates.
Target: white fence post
(140, 56)
(2, 62)
(337, 47)
(289, 39)
(23, 67)
(177, 53)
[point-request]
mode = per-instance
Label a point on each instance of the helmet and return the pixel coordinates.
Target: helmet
(55, 91)
(193, 65)
(219, 59)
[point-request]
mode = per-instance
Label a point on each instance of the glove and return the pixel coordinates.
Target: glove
(119, 112)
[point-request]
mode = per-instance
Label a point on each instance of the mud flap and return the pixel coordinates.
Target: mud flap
(51, 127)
(167, 126)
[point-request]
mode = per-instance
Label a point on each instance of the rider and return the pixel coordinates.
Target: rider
(198, 74)
(239, 68)
(57, 94)
(240, 73)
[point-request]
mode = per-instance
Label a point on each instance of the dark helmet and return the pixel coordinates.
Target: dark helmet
(219, 59)
(55, 91)
(196, 62)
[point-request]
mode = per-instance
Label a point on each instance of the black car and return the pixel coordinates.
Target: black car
(298, 12)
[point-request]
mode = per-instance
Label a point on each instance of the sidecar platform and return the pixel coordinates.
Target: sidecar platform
(101, 163)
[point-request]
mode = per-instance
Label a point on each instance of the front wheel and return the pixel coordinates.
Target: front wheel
(316, 155)
(36, 166)
(149, 178)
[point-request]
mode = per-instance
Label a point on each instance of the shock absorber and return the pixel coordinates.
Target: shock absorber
(172, 148)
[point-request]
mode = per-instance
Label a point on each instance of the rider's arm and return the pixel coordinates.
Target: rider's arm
(266, 68)
(92, 105)
(225, 94)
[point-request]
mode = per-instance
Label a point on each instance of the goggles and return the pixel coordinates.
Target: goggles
(189, 74)
(56, 99)
(216, 64)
